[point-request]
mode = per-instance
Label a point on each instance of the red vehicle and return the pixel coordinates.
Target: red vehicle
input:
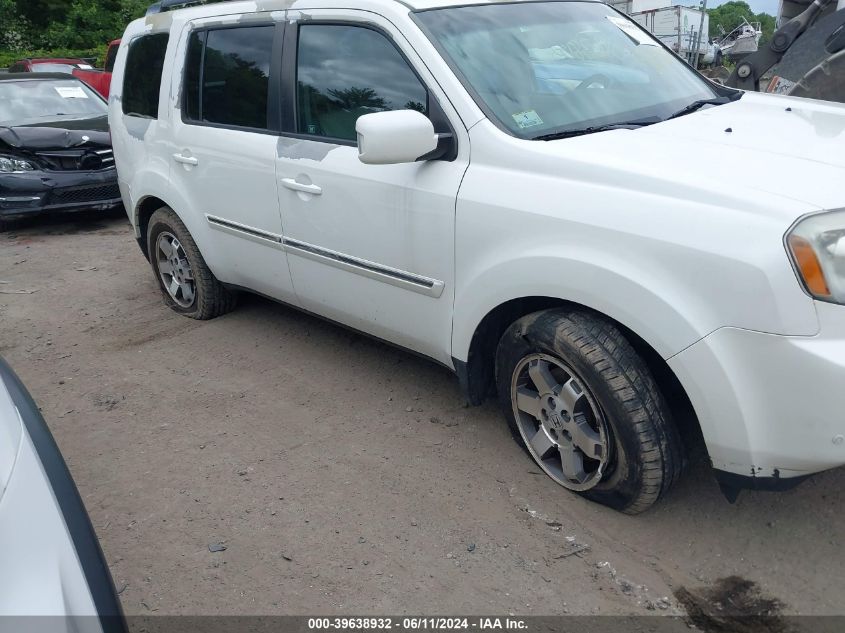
(51, 65)
(100, 80)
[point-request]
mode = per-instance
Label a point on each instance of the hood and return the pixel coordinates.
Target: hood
(60, 134)
(762, 152)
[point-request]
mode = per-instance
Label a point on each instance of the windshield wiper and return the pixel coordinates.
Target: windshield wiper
(624, 125)
(696, 105)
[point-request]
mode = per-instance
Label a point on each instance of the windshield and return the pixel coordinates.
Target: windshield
(53, 67)
(29, 100)
(545, 67)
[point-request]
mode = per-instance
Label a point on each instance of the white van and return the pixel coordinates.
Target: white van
(510, 189)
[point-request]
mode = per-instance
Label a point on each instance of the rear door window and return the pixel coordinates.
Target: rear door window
(227, 76)
(142, 75)
(111, 55)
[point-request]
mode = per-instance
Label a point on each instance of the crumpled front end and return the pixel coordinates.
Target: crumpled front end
(39, 192)
(45, 169)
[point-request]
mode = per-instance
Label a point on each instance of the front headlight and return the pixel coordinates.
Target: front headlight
(816, 245)
(12, 165)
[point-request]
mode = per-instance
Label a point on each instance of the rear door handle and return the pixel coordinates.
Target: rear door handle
(290, 183)
(186, 160)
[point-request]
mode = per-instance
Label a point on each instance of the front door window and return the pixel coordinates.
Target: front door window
(344, 72)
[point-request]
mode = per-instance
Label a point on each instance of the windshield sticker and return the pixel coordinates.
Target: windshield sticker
(71, 92)
(630, 29)
(85, 66)
(529, 118)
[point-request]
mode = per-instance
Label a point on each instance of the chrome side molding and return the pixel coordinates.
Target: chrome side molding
(242, 230)
(379, 272)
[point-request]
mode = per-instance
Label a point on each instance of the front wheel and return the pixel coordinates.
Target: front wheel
(187, 284)
(584, 405)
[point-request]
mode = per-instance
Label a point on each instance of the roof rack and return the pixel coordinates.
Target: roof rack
(169, 5)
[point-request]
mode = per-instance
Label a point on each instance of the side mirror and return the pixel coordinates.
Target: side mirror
(397, 136)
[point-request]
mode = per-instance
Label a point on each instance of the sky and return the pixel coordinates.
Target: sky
(758, 6)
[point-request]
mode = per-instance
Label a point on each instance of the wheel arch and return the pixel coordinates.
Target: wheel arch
(476, 373)
(156, 198)
(143, 212)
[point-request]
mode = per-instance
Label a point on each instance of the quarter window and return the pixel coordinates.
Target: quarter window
(111, 55)
(227, 76)
(193, 72)
(344, 72)
(142, 75)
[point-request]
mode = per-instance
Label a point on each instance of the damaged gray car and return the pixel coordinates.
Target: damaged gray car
(55, 148)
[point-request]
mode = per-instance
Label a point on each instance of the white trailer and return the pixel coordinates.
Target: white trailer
(680, 28)
(638, 6)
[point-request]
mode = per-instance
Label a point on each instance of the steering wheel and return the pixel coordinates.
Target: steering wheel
(597, 80)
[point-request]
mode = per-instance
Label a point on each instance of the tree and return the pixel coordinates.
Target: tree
(14, 35)
(731, 14)
(768, 25)
(414, 105)
(80, 24)
(351, 98)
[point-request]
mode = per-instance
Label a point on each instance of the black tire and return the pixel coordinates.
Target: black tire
(211, 298)
(644, 451)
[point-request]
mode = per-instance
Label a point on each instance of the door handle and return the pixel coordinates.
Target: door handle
(290, 183)
(186, 160)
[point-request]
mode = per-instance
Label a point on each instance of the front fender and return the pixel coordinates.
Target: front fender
(664, 260)
(663, 319)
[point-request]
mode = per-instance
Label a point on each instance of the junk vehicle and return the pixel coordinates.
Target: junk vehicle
(100, 80)
(741, 41)
(506, 189)
(48, 65)
(55, 148)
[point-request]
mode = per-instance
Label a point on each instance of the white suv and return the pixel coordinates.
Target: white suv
(538, 195)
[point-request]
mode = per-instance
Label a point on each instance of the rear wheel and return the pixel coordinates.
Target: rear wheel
(187, 284)
(584, 405)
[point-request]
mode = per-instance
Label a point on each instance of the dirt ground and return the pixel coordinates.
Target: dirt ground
(344, 476)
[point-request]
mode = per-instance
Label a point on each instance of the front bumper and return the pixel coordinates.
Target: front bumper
(771, 408)
(50, 191)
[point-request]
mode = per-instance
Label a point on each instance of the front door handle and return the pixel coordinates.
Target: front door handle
(290, 183)
(186, 160)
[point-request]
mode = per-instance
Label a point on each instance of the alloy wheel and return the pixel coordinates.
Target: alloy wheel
(560, 421)
(175, 270)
